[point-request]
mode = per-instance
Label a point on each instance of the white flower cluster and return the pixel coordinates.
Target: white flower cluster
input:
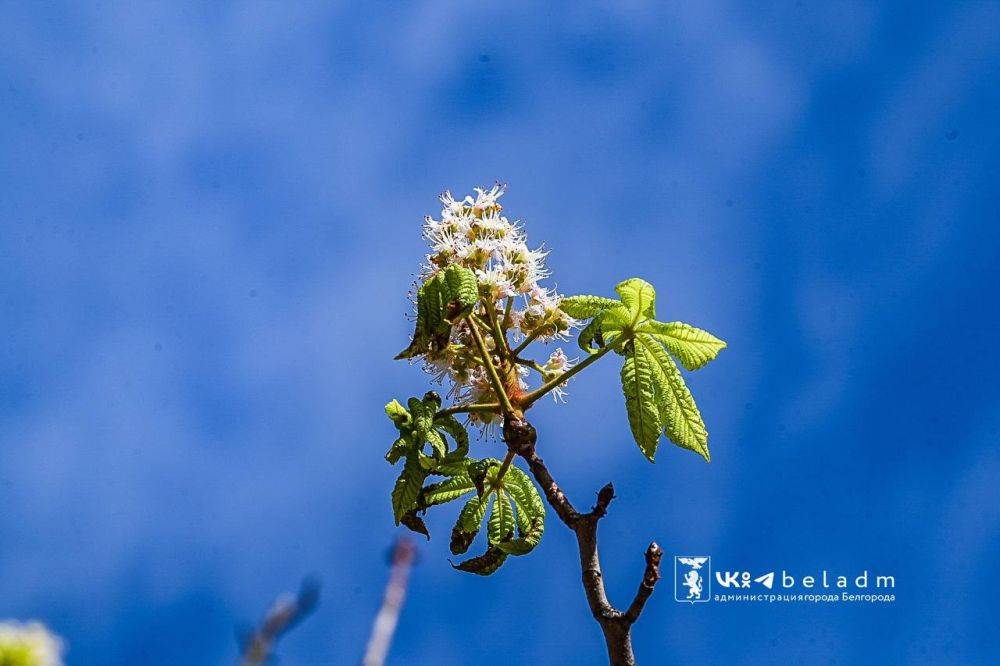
(30, 644)
(473, 233)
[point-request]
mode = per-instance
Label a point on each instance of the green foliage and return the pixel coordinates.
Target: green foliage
(641, 398)
(462, 330)
(585, 307)
(422, 444)
(656, 397)
(442, 300)
(516, 513)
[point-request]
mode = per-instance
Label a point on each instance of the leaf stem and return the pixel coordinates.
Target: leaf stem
(498, 335)
(534, 365)
(491, 369)
(530, 398)
(505, 322)
(470, 409)
(524, 343)
(508, 459)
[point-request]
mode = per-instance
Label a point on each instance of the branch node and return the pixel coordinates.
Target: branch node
(649, 579)
(604, 497)
(653, 556)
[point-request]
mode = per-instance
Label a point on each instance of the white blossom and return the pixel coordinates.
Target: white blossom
(474, 233)
(557, 364)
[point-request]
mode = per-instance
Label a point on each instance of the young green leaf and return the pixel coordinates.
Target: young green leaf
(526, 498)
(585, 307)
(438, 446)
(501, 523)
(467, 526)
(442, 300)
(398, 449)
(446, 491)
(450, 425)
(397, 413)
(614, 322)
(639, 297)
(407, 488)
(485, 564)
(681, 418)
(527, 540)
(591, 332)
(461, 292)
(692, 346)
(640, 399)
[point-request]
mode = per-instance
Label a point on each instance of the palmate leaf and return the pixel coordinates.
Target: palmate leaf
(680, 417)
(692, 346)
(640, 399)
(515, 506)
(630, 329)
(420, 425)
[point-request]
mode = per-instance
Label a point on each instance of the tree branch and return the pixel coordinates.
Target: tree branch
(384, 627)
(283, 615)
(616, 626)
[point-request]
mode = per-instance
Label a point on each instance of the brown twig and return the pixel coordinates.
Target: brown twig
(283, 615)
(384, 627)
(520, 437)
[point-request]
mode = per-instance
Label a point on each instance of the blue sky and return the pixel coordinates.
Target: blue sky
(210, 219)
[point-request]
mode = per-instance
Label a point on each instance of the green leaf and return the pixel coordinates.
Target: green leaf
(680, 416)
(442, 300)
(397, 413)
(467, 526)
(485, 564)
(434, 438)
(692, 346)
(446, 491)
(585, 307)
(407, 488)
(460, 293)
(530, 513)
(589, 333)
(448, 467)
(528, 539)
(640, 400)
(480, 470)
(639, 297)
(614, 323)
(526, 498)
(501, 523)
(449, 424)
(398, 450)
(422, 425)
(415, 523)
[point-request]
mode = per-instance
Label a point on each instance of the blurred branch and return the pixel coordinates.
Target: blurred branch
(286, 612)
(384, 628)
